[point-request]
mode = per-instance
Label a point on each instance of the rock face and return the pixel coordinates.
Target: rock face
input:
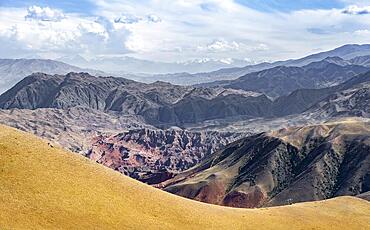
(290, 165)
(282, 80)
(153, 156)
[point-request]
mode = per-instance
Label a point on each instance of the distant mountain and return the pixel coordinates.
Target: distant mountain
(345, 52)
(282, 80)
(134, 66)
(77, 60)
(349, 99)
(122, 95)
(162, 104)
(286, 166)
(203, 70)
(14, 70)
(361, 60)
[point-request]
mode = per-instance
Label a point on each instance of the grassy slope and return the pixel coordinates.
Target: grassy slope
(44, 187)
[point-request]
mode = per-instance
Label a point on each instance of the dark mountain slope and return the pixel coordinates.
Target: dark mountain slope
(303, 99)
(296, 164)
(197, 109)
(157, 102)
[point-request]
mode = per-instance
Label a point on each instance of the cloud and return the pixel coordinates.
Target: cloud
(153, 18)
(44, 14)
(132, 19)
(127, 19)
(362, 32)
(74, 34)
(357, 10)
(220, 45)
(178, 30)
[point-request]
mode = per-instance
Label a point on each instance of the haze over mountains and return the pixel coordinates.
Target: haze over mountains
(358, 53)
(137, 66)
(14, 70)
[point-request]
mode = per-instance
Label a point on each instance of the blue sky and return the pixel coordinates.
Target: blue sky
(178, 30)
(87, 7)
(81, 6)
(289, 5)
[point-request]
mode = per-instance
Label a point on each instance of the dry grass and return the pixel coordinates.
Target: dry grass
(47, 188)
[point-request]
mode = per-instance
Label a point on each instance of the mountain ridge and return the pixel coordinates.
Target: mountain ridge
(162, 104)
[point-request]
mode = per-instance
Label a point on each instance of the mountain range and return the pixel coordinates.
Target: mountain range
(163, 104)
(213, 142)
(351, 54)
(282, 80)
(346, 52)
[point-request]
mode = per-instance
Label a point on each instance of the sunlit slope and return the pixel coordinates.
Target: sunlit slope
(47, 188)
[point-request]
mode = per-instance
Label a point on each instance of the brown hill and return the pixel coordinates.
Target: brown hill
(47, 188)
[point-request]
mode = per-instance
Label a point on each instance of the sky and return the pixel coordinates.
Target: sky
(180, 30)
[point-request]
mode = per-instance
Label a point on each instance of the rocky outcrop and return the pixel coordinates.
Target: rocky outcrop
(290, 165)
(153, 156)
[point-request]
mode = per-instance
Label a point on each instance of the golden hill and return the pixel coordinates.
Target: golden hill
(42, 187)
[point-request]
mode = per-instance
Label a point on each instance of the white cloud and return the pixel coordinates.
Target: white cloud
(153, 18)
(362, 32)
(220, 46)
(177, 30)
(73, 34)
(357, 10)
(44, 14)
(127, 19)
(132, 19)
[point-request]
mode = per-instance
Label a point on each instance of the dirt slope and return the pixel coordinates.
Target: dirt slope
(43, 187)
